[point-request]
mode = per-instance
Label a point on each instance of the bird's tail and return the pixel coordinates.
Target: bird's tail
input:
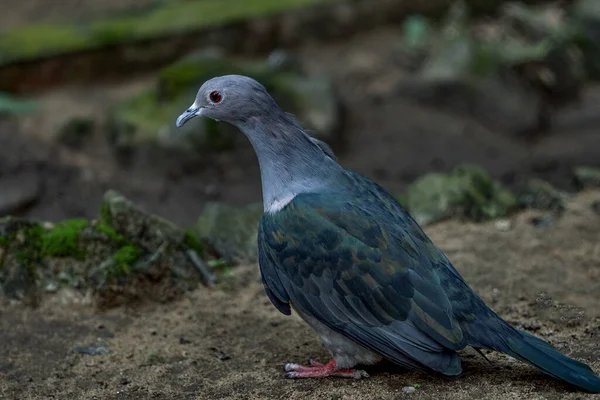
(542, 355)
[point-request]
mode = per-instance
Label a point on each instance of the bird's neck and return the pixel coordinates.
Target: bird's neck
(290, 162)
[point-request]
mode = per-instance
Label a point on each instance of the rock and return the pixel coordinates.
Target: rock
(125, 255)
(232, 231)
(149, 116)
(129, 220)
(544, 221)
(93, 350)
(76, 131)
(409, 389)
(587, 177)
(467, 192)
(19, 191)
(503, 225)
(540, 195)
(19, 273)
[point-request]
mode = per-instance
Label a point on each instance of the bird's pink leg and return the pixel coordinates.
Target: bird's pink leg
(318, 370)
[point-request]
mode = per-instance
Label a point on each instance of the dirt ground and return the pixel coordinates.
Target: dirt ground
(232, 343)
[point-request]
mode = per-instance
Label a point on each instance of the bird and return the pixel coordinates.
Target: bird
(340, 251)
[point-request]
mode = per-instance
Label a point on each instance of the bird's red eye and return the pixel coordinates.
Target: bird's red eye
(215, 97)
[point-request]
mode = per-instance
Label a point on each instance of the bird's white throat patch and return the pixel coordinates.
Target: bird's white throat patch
(278, 204)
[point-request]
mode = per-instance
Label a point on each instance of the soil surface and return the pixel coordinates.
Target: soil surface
(230, 342)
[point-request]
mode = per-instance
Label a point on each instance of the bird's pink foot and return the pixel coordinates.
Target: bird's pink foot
(318, 370)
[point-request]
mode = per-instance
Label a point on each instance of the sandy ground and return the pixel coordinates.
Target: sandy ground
(231, 343)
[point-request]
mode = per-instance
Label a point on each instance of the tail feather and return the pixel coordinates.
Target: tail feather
(542, 355)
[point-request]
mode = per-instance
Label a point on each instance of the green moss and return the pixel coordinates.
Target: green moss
(113, 31)
(173, 17)
(63, 239)
(467, 191)
(111, 233)
(123, 259)
(6, 240)
(192, 241)
(28, 253)
(38, 40)
(105, 214)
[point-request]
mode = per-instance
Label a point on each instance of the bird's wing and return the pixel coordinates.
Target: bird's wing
(362, 274)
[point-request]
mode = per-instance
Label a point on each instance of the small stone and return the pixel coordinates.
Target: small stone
(124, 381)
(219, 354)
(503, 225)
(93, 350)
(409, 389)
(543, 221)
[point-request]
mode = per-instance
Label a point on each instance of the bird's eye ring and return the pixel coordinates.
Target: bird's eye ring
(215, 97)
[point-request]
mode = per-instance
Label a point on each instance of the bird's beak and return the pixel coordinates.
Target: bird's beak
(187, 115)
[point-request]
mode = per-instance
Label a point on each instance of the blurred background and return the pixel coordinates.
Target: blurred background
(90, 91)
(483, 111)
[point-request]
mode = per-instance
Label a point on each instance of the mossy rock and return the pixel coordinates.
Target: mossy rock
(123, 255)
(587, 177)
(232, 231)
(130, 221)
(20, 248)
(541, 195)
(467, 192)
(150, 116)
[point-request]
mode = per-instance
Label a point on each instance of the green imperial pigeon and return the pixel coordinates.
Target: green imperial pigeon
(341, 251)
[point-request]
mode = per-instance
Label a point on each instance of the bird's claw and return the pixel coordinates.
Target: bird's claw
(318, 370)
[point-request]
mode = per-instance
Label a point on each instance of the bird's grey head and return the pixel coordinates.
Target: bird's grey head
(230, 98)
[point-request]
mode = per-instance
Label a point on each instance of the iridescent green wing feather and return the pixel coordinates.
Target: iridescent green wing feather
(362, 271)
